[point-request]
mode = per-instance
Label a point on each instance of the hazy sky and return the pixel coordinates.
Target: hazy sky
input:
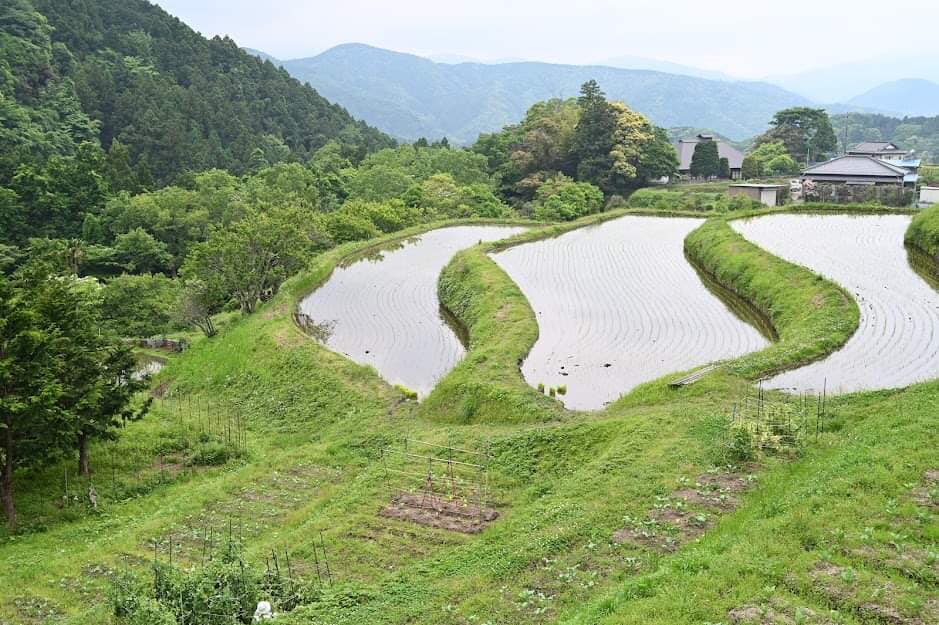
(749, 38)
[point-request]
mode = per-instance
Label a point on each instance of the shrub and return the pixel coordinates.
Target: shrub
(223, 592)
(562, 199)
(345, 225)
(668, 200)
(210, 453)
(740, 445)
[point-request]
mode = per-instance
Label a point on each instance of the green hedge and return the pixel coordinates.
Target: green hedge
(661, 199)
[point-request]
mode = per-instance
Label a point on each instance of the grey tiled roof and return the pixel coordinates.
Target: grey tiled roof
(685, 149)
(853, 165)
(875, 147)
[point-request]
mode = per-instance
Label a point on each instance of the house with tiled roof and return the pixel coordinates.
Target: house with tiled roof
(879, 149)
(859, 178)
(856, 169)
(685, 149)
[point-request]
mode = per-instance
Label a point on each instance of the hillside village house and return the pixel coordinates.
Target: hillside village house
(883, 150)
(685, 149)
(862, 178)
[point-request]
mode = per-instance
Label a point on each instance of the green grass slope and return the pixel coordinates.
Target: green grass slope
(812, 316)
(923, 233)
(842, 530)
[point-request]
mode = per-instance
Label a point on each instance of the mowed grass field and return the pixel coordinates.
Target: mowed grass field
(644, 512)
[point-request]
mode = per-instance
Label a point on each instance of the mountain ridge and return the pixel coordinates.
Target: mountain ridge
(909, 96)
(409, 96)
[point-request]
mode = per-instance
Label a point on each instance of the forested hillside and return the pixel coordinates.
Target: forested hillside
(911, 133)
(410, 97)
(158, 96)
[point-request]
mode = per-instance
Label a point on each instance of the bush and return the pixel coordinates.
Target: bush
(136, 306)
(223, 592)
(740, 445)
(668, 200)
(210, 454)
(345, 225)
(562, 199)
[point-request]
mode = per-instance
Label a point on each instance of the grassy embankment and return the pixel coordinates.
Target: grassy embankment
(923, 233)
(564, 483)
(812, 316)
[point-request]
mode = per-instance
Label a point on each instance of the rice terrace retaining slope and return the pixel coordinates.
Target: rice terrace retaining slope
(381, 309)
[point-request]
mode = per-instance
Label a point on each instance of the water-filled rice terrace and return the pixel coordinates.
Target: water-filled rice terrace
(382, 309)
(618, 304)
(897, 341)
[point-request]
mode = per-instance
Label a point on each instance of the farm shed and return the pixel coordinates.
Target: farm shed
(929, 195)
(766, 194)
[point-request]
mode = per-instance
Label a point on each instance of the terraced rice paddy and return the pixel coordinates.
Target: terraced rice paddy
(382, 310)
(618, 305)
(897, 342)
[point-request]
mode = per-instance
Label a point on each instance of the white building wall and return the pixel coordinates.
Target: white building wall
(929, 195)
(768, 197)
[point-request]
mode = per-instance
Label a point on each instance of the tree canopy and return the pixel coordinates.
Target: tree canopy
(589, 139)
(806, 132)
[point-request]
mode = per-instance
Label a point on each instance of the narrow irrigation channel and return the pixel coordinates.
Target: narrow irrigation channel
(618, 304)
(382, 309)
(897, 341)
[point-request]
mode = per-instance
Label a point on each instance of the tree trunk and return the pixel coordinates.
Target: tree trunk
(6, 478)
(84, 467)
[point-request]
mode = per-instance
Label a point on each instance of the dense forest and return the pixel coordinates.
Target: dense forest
(910, 133)
(156, 96)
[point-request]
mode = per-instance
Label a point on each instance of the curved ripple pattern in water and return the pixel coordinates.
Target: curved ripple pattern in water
(618, 305)
(384, 311)
(897, 341)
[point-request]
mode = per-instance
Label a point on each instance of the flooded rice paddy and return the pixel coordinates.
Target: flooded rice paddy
(382, 309)
(617, 305)
(897, 342)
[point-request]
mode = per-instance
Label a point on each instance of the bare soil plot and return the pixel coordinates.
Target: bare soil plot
(689, 512)
(382, 309)
(897, 342)
(617, 305)
(439, 512)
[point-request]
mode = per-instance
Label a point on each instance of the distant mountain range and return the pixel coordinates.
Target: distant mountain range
(656, 65)
(458, 97)
(411, 97)
(910, 96)
(842, 83)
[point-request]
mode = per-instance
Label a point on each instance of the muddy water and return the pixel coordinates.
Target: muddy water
(618, 305)
(382, 309)
(897, 342)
